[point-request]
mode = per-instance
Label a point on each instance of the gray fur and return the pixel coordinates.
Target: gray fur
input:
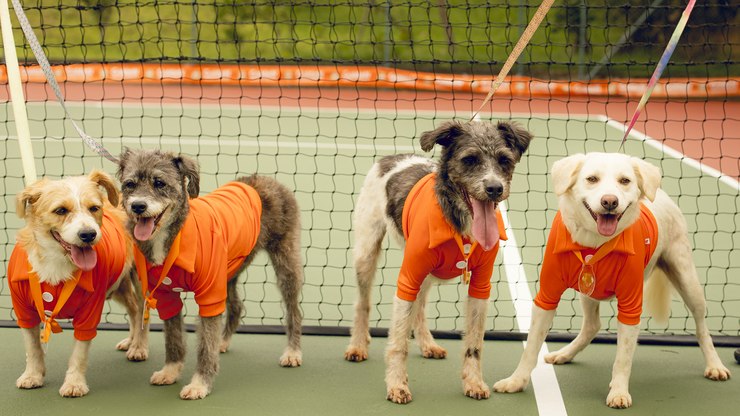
(398, 187)
(165, 179)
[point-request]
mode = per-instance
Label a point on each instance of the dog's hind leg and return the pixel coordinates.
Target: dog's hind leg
(370, 229)
(678, 264)
(33, 376)
(589, 328)
(472, 375)
(287, 263)
(234, 310)
(429, 348)
(209, 341)
(174, 345)
(136, 344)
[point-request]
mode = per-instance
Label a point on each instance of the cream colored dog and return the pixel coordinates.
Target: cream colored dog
(601, 196)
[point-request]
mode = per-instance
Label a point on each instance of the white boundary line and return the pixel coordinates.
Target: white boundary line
(544, 382)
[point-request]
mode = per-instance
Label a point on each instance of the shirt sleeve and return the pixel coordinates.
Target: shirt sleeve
(211, 276)
(87, 317)
(629, 291)
(552, 280)
(480, 280)
(418, 262)
(25, 313)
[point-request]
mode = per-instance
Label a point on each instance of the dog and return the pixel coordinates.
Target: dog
(74, 240)
(611, 205)
(445, 215)
(221, 233)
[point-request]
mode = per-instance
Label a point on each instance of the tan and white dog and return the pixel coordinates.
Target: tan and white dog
(612, 202)
(70, 256)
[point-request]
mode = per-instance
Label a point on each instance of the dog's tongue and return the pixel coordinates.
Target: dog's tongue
(84, 257)
(144, 229)
(607, 224)
(485, 225)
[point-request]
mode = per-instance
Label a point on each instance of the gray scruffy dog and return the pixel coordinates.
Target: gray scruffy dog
(445, 215)
(188, 243)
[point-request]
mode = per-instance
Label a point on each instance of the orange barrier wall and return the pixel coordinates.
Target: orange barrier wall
(375, 77)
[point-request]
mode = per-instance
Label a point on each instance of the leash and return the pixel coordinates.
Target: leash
(659, 68)
(518, 48)
(38, 52)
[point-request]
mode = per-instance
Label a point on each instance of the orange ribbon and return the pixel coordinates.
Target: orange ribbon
(149, 301)
(50, 323)
(466, 273)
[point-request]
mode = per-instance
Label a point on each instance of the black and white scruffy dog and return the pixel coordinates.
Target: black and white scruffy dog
(432, 208)
(221, 233)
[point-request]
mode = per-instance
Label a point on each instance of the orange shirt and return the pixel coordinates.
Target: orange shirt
(431, 247)
(619, 273)
(85, 305)
(218, 234)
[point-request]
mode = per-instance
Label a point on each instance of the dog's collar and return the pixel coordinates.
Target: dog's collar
(564, 243)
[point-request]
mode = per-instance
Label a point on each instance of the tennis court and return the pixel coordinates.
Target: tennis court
(323, 155)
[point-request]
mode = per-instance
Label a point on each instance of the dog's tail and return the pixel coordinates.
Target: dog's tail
(657, 297)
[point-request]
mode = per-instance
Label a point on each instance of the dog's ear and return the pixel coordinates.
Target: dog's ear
(28, 197)
(190, 171)
(106, 182)
(122, 161)
(443, 135)
(564, 172)
(516, 136)
(648, 177)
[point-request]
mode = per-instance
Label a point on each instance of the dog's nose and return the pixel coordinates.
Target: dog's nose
(87, 235)
(609, 202)
(138, 207)
(494, 189)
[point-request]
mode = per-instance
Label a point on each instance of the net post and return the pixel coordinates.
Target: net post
(16, 94)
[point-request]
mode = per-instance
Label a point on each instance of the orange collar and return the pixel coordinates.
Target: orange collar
(85, 278)
(622, 243)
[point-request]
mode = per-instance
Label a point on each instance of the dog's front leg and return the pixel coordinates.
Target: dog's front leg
(174, 345)
(518, 381)
(396, 353)
(33, 376)
(127, 294)
(209, 342)
(472, 376)
(75, 384)
(619, 396)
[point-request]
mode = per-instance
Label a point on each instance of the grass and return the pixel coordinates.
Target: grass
(449, 36)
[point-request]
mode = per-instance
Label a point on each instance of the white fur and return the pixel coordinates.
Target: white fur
(570, 178)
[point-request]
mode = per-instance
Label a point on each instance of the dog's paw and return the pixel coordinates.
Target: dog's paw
(399, 394)
(74, 389)
(510, 385)
(137, 353)
(124, 344)
(167, 375)
(618, 399)
(558, 357)
(434, 351)
(355, 353)
(717, 373)
(29, 380)
(291, 358)
(194, 391)
(225, 344)
(477, 390)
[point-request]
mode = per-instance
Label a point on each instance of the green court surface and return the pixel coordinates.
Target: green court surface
(323, 154)
(665, 381)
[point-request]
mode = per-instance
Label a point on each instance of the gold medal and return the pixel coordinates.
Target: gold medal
(587, 280)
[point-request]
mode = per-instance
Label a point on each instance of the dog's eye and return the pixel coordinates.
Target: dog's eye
(503, 160)
(94, 209)
(470, 160)
(592, 179)
(61, 211)
(625, 181)
(130, 185)
(158, 183)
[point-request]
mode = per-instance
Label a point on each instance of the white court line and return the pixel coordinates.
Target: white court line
(544, 382)
(662, 147)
